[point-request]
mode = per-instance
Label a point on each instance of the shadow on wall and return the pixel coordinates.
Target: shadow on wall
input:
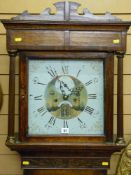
(1, 97)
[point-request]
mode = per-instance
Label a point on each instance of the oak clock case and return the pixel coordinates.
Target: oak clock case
(65, 97)
(66, 75)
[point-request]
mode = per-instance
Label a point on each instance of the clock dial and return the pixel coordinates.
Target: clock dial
(65, 97)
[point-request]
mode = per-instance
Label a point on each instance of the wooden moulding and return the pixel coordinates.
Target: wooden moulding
(64, 172)
(108, 61)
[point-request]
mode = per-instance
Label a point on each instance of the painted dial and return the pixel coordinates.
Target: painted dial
(65, 97)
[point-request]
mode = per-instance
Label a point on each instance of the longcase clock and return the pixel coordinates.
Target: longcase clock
(66, 75)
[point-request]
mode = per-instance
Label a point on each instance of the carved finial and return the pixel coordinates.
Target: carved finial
(67, 11)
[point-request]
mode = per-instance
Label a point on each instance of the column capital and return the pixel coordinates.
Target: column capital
(12, 53)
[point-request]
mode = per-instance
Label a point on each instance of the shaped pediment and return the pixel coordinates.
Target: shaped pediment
(67, 11)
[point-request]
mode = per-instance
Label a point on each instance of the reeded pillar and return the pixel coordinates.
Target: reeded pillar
(11, 105)
(120, 133)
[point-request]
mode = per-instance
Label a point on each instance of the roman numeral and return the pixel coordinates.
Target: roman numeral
(42, 111)
(36, 81)
(82, 124)
(92, 96)
(52, 121)
(51, 71)
(65, 124)
(95, 80)
(38, 97)
(89, 110)
(78, 73)
(88, 83)
(79, 120)
(65, 69)
(41, 83)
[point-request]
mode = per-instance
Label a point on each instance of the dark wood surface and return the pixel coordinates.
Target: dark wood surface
(108, 91)
(66, 162)
(63, 172)
(120, 129)
(66, 35)
(11, 104)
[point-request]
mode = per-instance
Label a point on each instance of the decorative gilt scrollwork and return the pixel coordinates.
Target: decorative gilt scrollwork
(124, 166)
(1, 97)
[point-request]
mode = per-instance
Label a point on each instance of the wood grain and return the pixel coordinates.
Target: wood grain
(3, 44)
(85, 39)
(59, 172)
(37, 38)
(125, 17)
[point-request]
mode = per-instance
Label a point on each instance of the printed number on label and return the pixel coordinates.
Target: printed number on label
(64, 130)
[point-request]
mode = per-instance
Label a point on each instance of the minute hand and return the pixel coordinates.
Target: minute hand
(66, 86)
(61, 89)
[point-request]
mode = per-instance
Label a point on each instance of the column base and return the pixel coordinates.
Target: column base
(120, 141)
(10, 139)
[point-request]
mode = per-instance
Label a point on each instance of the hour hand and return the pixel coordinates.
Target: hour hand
(65, 97)
(61, 89)
(66, 86)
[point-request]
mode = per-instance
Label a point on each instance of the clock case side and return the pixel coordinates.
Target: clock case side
(108, 60)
